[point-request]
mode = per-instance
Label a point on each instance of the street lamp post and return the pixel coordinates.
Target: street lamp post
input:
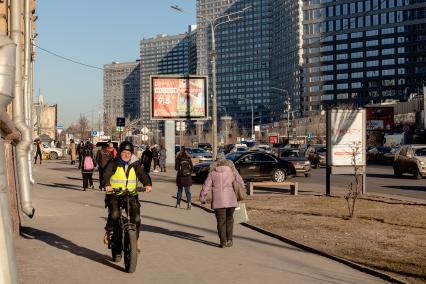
(213, 26)
(288, 110)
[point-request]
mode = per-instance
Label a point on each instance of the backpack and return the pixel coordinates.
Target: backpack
(88, 163)
(185, 168)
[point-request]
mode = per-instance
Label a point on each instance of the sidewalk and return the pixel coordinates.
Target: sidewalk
(63, 243)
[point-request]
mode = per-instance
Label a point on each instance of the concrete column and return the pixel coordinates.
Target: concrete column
(169, 141)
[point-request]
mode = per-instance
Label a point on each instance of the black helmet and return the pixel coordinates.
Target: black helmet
(126, 146)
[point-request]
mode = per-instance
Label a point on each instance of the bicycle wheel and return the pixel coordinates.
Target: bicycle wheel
(130, 251)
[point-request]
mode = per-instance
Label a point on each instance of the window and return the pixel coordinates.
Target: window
(342, 56)
(342, 66)
(372, 32)
(342, 86)
(356, 54)
(357, 75)
(372, 42)
(388, 51)
(388, 41)
(372, 53)
(372, 63)
(388, 72)
(357, 64)
(342, 76)
(356, 85)
(357, 44)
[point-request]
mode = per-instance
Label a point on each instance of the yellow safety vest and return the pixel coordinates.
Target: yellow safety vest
(119, 180)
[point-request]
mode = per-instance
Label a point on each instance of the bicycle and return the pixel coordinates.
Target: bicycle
(124, 237)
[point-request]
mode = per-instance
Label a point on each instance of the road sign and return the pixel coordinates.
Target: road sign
(145, 130)
(94, 133)
(257, 128)
(121, 122)
(310, 136)
(144, 137)
(59, 127)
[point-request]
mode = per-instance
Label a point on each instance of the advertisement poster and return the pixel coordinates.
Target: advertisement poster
(380, 118)
(174, 97)
(346, 137)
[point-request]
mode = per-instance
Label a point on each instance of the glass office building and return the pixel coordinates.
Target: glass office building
(357, 52)
(243, 58)
(121, 91)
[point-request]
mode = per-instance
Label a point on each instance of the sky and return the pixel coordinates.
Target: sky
(94, 32)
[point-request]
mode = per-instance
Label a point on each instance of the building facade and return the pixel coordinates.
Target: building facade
(243, 49)
(121, 91)
(160, 56)
(358, 52)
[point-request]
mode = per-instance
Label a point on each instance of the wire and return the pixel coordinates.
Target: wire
(68, 59)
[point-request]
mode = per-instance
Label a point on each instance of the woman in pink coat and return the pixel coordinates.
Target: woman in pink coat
(219, 182)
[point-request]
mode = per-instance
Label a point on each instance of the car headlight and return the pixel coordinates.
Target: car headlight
(307, 163)
(422, 163)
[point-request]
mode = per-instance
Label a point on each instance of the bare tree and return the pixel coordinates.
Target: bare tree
(354, 189)
(83, 127)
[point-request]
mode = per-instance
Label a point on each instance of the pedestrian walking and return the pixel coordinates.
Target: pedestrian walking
(103, 157)
(80, 149)
(224, 201)
(88, 166)
(183, 167)
(162, 158)
(155, 157)
(72, 151)
(147, 159)
(38, 151)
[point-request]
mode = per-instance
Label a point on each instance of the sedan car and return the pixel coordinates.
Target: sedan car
(52, 152)
(200, 154)
(317, 157)
(410, 159)
(252, 165)
(301, 164)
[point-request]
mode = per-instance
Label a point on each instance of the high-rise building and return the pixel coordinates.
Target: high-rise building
(164, 55)
(287, 57)
(121, 91)
(357, 52)
(243, 49)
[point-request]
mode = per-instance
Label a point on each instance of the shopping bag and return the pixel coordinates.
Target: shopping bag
(240, 213)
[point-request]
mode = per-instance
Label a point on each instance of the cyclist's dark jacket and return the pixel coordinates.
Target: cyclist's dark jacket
(135, 166)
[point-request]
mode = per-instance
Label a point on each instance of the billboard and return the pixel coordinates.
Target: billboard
(380, 118)
(178, 97)
(345, 134)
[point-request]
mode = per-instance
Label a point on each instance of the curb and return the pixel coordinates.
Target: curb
(349, 263)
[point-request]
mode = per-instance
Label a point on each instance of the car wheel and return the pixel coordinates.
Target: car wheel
(279, 175)
(53, 155)
(417, 174)
(396, 171)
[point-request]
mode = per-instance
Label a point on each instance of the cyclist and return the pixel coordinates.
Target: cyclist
(121, 173)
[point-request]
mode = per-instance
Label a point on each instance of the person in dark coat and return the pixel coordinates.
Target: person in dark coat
(103, 157)
(80, 150)
(155, 157)
(87, 166)
(147, 159)
(183, 166)
(162, 160)
(38, 151)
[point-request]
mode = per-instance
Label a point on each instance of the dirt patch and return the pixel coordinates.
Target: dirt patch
(385, 234)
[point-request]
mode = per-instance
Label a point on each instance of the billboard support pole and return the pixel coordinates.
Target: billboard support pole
(327, 160)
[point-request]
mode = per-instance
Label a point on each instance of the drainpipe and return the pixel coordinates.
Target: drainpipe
(26, 82)
(19, 116)
(8, 270)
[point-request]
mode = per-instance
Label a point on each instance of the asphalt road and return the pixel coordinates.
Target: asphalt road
(380, 180)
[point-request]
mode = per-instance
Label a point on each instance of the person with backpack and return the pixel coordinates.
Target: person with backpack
(87, 167)
(155, 156)
(103, 157)
(183, 166)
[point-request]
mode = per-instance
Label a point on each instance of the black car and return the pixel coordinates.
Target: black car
(252, 165)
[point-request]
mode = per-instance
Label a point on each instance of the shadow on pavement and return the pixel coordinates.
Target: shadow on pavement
(62, 169)
(74, 178)
(63, 244)
(156, 203)
(215, 232)
(62, 185)
(176, 234)
(407, 187)
(387, 176)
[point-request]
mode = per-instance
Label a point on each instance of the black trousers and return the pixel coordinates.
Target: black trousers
(225, 223)
(80, 161)
(87, 180)
(38, 154)
(114, 202)
(101, 177)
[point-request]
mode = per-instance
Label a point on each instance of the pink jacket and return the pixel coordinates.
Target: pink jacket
(219, 182)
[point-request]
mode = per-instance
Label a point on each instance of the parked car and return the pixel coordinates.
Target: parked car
(377, 153)
(317, 156)
(52, 152)
(200, 154)
(252, 165)
(299, 161)
(264, 147)
(239, 148)
(410, 159)
(205, 146)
